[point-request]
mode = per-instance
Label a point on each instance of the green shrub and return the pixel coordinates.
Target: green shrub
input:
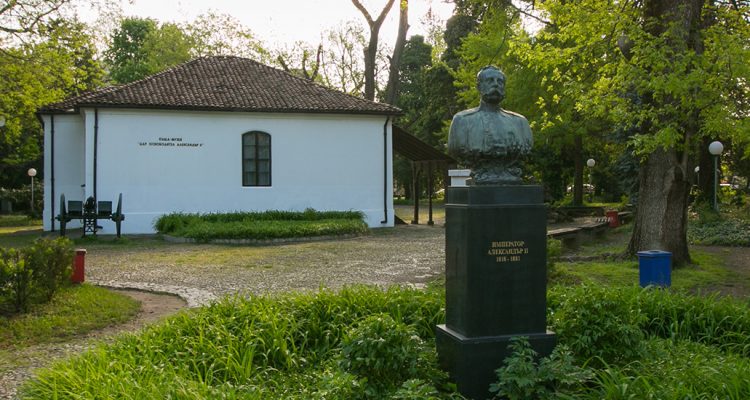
(51, 261)
(33, 274)
(261, 225)
(675, 370)
(16, 283)
(522, 378)
(597, 322)
(416, 389)
(382, 350)
(720, 322)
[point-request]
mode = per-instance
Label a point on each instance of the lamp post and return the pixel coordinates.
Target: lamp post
(715, 148)
(697, 176)
(32, 174)
(590, 163)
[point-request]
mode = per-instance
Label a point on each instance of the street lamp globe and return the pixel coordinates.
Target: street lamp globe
(697, 169)
(715, 148)
(32, 172)
(2, 121)
(591, 162)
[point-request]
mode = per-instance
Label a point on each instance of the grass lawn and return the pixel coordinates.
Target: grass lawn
(73, 311)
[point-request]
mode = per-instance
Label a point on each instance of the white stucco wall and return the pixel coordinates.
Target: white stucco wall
(69, 163)
(327, 162)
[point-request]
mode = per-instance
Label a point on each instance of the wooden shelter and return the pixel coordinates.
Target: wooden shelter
(424, 159)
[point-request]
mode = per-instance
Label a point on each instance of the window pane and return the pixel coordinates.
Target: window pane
(264, 166)
(264, 140)
(264, 153)
(248, 139)
(264, 179)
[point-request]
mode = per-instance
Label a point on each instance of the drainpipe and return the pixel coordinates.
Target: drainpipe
(52, 171)
(96, 145)
(385, 171)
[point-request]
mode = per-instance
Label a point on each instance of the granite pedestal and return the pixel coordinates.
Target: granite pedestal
(496, 250)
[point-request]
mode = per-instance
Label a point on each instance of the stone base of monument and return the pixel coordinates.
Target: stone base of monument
(471, 362)
(496, 280)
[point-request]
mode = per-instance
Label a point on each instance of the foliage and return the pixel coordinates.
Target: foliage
(51, 263)
(521, 377)
(554, 250)
(730, 232)
(381, 351)
(32, 275)
(261, 225)
(343, 68)
(416, 389)
(140, 47)
(17, 221)
(285, 347)
(23, 16)
(674, 369)
(59, 64)
(213, 34)
(427, 97)
(729, 227)
(613, 322)
(21, 198)
(73, 311)
(292, 346)
(598, 324)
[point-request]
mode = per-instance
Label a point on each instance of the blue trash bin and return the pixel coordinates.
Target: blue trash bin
(655, 268)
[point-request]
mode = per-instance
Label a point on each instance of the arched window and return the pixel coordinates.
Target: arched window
(256, 159)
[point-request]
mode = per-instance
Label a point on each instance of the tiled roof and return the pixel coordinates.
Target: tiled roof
(225, 83)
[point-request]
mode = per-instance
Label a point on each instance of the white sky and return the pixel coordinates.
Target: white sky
(279, 22)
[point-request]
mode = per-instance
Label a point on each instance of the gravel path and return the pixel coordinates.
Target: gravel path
(411, 255)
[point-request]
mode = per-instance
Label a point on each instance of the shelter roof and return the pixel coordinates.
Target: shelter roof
(225, 83)
(414, 149)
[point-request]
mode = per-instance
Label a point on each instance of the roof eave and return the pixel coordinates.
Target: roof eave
(396, 112)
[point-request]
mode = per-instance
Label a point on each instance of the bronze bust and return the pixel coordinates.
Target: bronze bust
(487, 139)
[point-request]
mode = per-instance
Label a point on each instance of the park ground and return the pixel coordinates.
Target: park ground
(406, 255)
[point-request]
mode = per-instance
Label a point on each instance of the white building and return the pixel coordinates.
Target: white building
(219, 134)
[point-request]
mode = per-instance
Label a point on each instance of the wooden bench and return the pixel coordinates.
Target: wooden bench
(89, 213)
(570, 237)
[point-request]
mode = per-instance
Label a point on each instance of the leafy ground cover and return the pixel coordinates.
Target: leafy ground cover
(366, 343)
(729, 227)
(261, 225)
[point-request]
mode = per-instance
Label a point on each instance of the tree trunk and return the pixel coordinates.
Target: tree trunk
(578, 171)
(392, 89)
(371, 51)
(661, 218)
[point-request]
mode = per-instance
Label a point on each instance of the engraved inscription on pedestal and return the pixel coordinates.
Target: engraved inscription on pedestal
(507, 250)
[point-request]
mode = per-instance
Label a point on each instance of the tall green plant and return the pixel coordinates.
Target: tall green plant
(15, 282)
(522, 377)
(33, 275)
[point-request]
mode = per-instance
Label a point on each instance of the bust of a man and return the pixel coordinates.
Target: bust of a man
(487, 139)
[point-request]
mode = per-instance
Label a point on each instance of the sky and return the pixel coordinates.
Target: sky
(280, 22)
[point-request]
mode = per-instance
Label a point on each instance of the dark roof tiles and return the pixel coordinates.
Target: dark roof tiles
(225, 83)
